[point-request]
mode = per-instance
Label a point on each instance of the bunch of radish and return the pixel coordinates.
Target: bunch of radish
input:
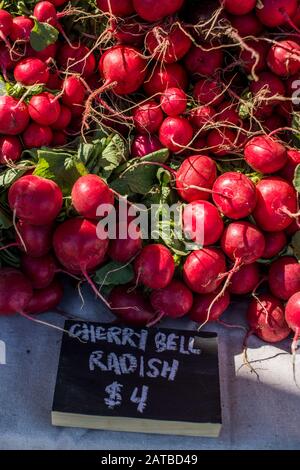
(215, 85)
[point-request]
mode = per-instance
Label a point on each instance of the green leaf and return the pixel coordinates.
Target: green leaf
(114, 274)
(61, 167)
(113, 154)
(5, 221)
(296, 245)
(296, 127)
(42, 35)
(10, 175)
(297, 179)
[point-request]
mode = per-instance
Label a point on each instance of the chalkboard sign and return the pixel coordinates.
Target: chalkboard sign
(141, 380)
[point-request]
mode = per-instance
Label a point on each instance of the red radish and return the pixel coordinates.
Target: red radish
(243, 242)
(148, 117)
(15, 291)
(54, 81)
(203, 61)
(227, 113)
(31, 71)
(269, 88)
(284, 58)
(265, 155)
(245, 280)
(221, 141)
(6, 62)
(274, 122)
(175, 133)
(130, 306)
(35, 200)
(45, 300)
(45, 12)
(201, 117)
(173, 102)
(236, 7)
(203, 269)
(44, 109)
(292, 228)
(161, 78)
(116, 7)
(235, 195)
(6, 25)
(247, 25)
(274, 13)
(10, 149)
(124, 67)
(63, 119)
(144, 145)
(58, 3)
(288, 171)
(80, 245)
(48, 53)
(275, 242)
(21, 28)
(154, 10)
(292, 310)
(77, 59)
(173, 301)
(195, 173)
(154, 267)
(202, 223)
(198, 145)
(129, 31)
(39, 271)
(266, 319)
(208, 91)
(275, 199)
(168, 44)
(202, 304)
(73, 91)
(14, 117)
(36, 136)
(284, 277)
(127, 244)
(59, 139)
(249, 59)
(37, 239)
(89, 193)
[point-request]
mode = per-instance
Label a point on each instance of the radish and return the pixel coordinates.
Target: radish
(245, 280)
(203, 61)
(116, 7)
(235, 195)
(284, 277)
(227, 113)
(173, 301)
(143, 145)
(154, 10)
(236, 7)
(127, 244)
(265, 155)
(45, 12)
(243, 243)
(202, 303)
(6, 25)
(173, 102)
(14, 116)
(274, 122)
(203, 269)
(10, 149)
(47, 54)
(266, 319)
(6, 62)
(284, 58)
(249, 60)
(44, 109)
(39, 271)
(35, 200)
(45, 300)
(130, 306)
(288, 171)
(221, 141)
(36, 136)
(73, 91)
(63, 119)
(269, 88)
(59, 139)
(129, 31)
(37, 239)
(21, 28)
(175, 133)
(148, 117)
(199, 143)
(275, 243)
(202, 223)
(123, 68)
(276, 12)
(58, 3)
(154, 267)
(88, 193)
(31, 71)
(168, 44)
(161, 78)
(15, 291)
(292, 317)
(276, 199)
(77, 59)
(80, 245)
(208, 91)
(201, 117)
(54, 81)
(195, 173)
(247, 25)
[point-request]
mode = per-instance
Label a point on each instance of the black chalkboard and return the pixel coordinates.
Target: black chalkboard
(153, 380)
